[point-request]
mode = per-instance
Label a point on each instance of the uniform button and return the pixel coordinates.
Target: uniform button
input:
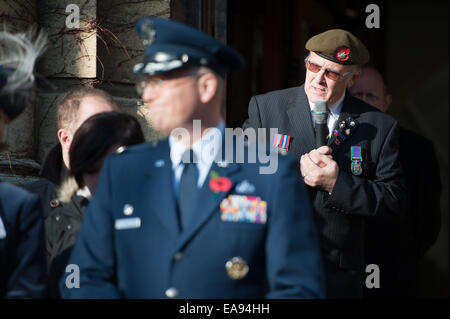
(178, 256)
(69, 227)
(172, 292)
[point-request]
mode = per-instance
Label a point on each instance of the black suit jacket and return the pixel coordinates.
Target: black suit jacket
(398, 247)
(378, 191)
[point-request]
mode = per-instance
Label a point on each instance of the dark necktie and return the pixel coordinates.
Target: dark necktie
(187, 190)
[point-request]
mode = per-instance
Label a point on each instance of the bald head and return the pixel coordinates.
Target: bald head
(371, 89)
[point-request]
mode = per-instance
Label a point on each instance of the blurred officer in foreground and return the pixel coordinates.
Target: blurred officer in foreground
(397, 248)
(22, 252)
(354, 173)
(169, 221)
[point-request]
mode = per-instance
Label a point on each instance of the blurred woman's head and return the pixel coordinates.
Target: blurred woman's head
(99, 136)
(18, 54)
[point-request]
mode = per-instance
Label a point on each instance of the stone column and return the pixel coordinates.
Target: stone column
(16, 163)
(99, 52)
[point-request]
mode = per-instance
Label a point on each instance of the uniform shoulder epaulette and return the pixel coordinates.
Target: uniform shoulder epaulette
(130, 149)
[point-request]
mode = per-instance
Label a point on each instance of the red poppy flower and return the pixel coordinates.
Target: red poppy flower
(220, 184)
(343, 54)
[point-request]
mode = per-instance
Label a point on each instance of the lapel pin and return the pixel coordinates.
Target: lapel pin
(222, 164)
(159, 163)
(128, 209)
(339, 137)
(245, 187)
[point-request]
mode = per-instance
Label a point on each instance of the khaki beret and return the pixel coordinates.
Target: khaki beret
(339, 46)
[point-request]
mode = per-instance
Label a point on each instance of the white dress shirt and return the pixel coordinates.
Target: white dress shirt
(85, 192)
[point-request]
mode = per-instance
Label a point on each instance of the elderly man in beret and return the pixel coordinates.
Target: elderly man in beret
(354, 174)
(169, 221)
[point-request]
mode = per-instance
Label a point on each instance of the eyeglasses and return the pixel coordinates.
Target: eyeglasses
(158, 82)
(332, 75)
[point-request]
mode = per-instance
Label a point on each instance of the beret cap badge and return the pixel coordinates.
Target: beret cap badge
(343, 54)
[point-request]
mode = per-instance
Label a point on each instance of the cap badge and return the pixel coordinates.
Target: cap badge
(148, 33)
(343, 54)
(237, 268)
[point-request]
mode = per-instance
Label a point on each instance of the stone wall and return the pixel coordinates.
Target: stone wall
(100, 52)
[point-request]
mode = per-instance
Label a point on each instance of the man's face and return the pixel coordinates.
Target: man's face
(172, 99)
(91, 105)
(370, 88)
(319, 87)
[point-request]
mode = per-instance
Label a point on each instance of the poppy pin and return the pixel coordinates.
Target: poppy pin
(343, 54)
(219, 184)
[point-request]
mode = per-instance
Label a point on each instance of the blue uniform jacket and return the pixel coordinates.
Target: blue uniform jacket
(22, 250)
(130, 244)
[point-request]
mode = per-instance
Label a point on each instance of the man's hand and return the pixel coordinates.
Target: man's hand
(316, 155)
(318, 169)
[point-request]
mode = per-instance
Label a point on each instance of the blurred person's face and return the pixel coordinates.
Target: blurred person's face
(329, 82)
(89, 106)
(173, 99)
(370, 88)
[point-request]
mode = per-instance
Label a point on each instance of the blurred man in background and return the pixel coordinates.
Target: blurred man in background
(73, 109)
(397, 248)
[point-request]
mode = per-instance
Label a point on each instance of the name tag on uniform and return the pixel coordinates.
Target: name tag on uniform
(127, 223)
(2, 229)
(242, 208)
